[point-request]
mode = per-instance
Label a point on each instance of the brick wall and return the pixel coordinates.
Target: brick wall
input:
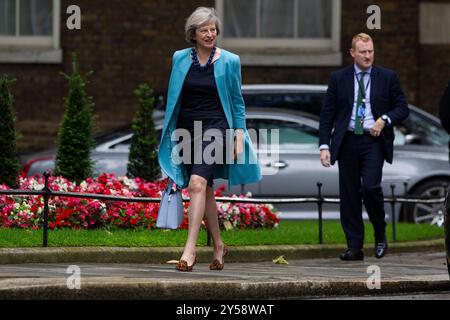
(125, 43)
(395, 46)
(434, 75)
(434, 71)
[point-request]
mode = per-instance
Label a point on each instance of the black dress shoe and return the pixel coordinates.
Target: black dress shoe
(380, 249)
(352, 255)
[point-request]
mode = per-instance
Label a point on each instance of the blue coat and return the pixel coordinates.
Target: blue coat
(227, 73)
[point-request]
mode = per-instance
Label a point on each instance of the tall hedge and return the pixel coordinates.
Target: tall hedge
(75, 140)
(143, 159)
(9, 162)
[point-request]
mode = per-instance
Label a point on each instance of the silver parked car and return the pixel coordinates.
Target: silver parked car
(421, 164)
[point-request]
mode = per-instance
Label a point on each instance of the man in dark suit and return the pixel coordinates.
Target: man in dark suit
(362, 104)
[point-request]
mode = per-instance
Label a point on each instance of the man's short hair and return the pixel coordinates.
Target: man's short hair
(364, 37)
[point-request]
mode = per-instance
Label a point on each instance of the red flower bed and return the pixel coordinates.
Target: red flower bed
(75, 213)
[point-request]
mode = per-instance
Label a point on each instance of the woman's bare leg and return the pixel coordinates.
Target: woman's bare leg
(197, 194)
(213, 223)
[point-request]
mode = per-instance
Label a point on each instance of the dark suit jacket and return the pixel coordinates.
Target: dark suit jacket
(386, 97)
(444, 109)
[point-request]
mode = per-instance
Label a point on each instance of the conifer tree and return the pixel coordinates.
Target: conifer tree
(75, 133)
(9, 162)
(143, 159)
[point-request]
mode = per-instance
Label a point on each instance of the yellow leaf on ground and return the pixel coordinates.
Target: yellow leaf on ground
(280, 260)
(227, 225)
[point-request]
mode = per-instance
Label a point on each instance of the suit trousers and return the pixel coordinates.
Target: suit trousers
(360, 162)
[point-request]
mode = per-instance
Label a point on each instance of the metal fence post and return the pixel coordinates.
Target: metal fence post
(405, 184)
(393, 217)
(208, 238)
(319, 206)
(46, 199)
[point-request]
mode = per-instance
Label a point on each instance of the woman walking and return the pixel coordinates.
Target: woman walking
(205, 89)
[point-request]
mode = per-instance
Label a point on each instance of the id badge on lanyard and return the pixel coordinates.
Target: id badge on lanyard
(361, 109)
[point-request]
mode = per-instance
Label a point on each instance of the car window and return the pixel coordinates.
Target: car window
(292, 136)
(420, 130)
(124, 145)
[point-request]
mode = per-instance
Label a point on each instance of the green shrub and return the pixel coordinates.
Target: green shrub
(75, 133)
(143, 159)
(9, 162)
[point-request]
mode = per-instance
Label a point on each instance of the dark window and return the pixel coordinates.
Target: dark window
(35, 17)
(421, 130)
(290, 19)
(291, 135)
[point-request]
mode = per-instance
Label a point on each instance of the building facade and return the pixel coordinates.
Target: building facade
(127, 43)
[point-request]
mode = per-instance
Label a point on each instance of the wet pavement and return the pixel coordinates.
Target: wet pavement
(395, 273)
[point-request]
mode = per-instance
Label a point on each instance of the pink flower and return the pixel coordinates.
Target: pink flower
(78, 213)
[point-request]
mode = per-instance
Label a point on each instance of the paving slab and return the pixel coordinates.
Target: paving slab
(399, 273)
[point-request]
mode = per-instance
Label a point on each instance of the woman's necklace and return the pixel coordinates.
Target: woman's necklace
(197, 63)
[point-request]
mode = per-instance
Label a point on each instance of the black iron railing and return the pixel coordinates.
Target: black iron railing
(320, 200)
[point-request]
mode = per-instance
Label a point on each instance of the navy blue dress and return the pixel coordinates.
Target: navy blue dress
(200, 101)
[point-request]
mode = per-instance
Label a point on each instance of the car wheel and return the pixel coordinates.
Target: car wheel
(426, 213)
